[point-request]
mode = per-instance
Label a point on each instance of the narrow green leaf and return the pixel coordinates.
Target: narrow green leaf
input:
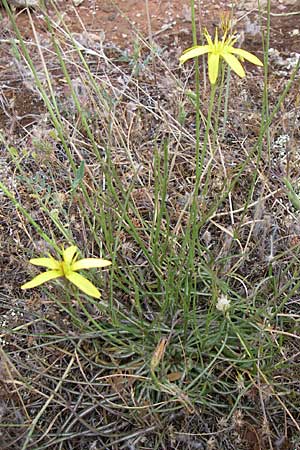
(78, 176)
(294, 198)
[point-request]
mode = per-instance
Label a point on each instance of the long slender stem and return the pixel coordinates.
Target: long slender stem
(189, 231)
(197, 85)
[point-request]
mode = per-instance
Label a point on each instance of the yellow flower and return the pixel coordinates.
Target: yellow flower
(67, 268)
(220, 49)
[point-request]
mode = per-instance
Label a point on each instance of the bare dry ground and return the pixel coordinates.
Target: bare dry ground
(112, 27)
(116, 23)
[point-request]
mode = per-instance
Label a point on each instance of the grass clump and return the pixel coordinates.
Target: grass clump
(193, 342)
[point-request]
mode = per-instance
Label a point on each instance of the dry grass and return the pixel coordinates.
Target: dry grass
(153, 365)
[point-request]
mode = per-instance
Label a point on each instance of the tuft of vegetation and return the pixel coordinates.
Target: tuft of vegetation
(194, 342)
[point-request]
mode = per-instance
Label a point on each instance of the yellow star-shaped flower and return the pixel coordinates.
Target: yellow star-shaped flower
(67, 268)
(217, 50)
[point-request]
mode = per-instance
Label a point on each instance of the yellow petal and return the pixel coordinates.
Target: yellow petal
(50, 263)
(42, 278)
(69, 253)
(88, 263)
(213, 67)
(192, 52)
(216, 36)
(234, 63)
(224, 38)
(208, 38)
(247, 55)
(83, 284)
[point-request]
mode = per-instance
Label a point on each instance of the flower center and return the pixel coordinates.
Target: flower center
(66, 268)
(218, 48)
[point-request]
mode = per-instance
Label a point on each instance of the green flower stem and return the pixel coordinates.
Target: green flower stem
(197, 83)
(220, 96)
(266, 118)
(189, 242)
(265, 109)
(199, 168)
(193, 222)
(227, 91)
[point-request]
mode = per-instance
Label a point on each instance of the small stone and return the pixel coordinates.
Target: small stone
(295, 32)
(24, 3)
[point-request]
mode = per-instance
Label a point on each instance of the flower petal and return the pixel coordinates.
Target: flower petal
(208, 38)
(50, 263)
(83, 284)
(42, 278)
(213, 67)
(216, 37)
(247, 55)
(234, 63)
(88, 263)
(69, 253)
(192, 52)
